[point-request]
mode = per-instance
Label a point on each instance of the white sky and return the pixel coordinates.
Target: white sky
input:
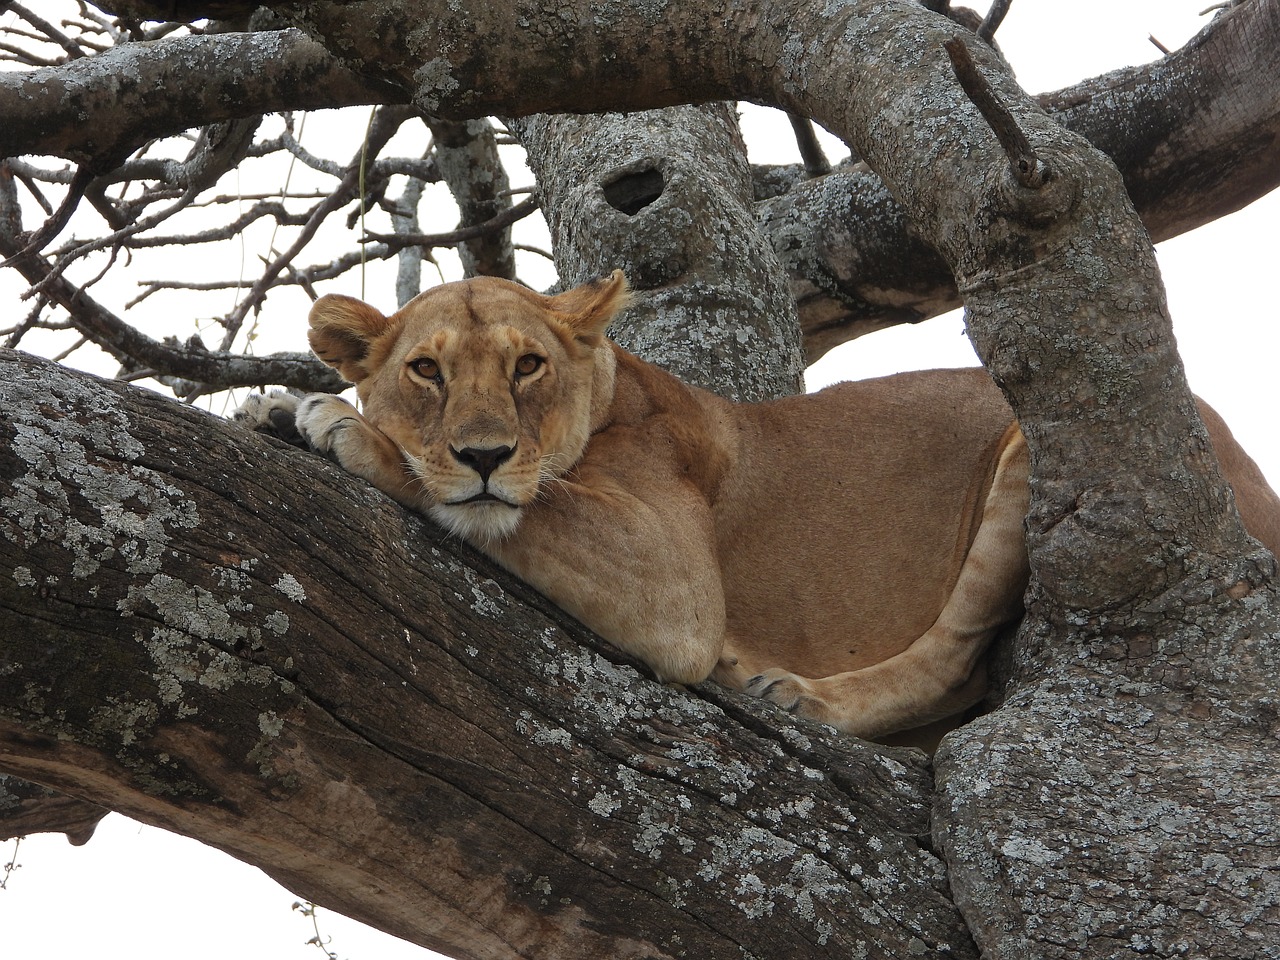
(135, 891)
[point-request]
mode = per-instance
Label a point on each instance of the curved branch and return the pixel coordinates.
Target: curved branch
(30, 808)
(133, 348)
(1208, 144)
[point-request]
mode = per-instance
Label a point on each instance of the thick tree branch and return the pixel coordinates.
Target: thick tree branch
(394, 729)
(467, 155)
(1207, 145)
(206, 79)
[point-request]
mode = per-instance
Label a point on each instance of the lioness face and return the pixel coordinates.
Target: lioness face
(486, 387)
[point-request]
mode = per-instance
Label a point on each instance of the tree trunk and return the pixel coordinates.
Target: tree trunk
(665, 195)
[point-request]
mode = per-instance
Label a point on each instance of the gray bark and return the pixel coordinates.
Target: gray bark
(1117, 803)
(467, 154)
(1195, 135)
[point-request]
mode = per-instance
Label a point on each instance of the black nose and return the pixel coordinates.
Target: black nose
(483, 460)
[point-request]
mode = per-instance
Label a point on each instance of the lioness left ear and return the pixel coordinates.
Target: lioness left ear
(342, 329)
(587, 310)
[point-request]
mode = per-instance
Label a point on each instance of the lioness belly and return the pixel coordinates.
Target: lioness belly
(845, 522)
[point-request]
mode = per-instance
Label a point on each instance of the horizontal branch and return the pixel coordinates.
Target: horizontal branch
(393, 243)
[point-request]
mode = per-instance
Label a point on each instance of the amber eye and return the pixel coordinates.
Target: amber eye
(427, 369)
(528, 365)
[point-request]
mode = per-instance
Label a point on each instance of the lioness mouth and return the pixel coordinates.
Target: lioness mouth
(484, 497)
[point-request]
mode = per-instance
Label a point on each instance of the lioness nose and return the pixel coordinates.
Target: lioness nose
(483, 460)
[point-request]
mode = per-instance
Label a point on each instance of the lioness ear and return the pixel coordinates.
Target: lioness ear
(342, 329)
(587, 310)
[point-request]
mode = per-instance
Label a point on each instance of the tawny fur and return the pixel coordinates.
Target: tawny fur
(848, 555)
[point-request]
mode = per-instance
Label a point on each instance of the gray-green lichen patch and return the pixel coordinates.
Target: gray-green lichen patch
(82, 487)
(808, 859)
(291, 588)
(1082, 827)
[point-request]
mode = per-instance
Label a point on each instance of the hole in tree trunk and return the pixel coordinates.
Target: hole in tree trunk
(632, 192)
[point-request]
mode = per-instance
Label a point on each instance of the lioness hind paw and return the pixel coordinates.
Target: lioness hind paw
(787, 691)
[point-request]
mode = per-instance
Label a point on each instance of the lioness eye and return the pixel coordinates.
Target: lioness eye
(426, 368)
(528, 364)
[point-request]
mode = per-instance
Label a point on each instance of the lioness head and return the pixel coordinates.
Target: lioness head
(488, 388)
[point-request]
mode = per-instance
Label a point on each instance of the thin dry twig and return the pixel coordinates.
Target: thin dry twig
(991, 22)
(1027, 168)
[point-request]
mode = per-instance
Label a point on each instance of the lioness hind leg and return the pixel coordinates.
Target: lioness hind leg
(939, 674)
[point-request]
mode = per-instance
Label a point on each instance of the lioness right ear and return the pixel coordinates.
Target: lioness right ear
(587, 309)
(342, 329)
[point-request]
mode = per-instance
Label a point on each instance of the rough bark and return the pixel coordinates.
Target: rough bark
(467, 155)
(27, 807)
(1195, 135)
(205, 80)
(1122, 783)
(390, 727)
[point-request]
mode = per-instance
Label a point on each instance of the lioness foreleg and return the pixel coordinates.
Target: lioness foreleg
(331, 426)
(939, 674)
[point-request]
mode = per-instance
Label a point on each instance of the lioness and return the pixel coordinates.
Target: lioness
(847, 555)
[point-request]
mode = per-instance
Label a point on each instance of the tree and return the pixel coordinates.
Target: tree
(185, 643)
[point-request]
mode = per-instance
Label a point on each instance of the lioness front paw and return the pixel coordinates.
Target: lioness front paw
(273, 414)
(321, 418)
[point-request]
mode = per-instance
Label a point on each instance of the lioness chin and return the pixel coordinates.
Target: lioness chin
(847, 555)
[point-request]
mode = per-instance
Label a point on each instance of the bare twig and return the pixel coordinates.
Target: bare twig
(815, 161)
(509, 216)
(1026, 166)
(53, 226)
(73, 50)
(991, 22)
(387, 121)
